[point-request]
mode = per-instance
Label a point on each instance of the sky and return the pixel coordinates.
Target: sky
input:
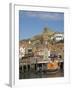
(33, 22)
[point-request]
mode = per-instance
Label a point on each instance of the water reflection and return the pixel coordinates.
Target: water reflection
(34, 74)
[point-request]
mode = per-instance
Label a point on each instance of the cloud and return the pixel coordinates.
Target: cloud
(45, 15)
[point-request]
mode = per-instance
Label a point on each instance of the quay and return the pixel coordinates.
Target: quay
(38, 64)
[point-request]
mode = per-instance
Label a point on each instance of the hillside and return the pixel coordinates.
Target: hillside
(38, 42)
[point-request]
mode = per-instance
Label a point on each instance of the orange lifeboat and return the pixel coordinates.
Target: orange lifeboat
(53, 65)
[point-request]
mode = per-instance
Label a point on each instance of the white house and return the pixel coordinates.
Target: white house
(58, 36)
(21, 52)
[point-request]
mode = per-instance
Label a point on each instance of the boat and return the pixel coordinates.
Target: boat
(53, 66)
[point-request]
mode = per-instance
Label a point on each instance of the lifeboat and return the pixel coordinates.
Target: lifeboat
(53, 66)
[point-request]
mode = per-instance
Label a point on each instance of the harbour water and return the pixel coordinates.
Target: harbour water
(34, 74)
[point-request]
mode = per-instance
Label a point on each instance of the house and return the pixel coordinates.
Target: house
(44, 53)
(57, 36)
(21, 52)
